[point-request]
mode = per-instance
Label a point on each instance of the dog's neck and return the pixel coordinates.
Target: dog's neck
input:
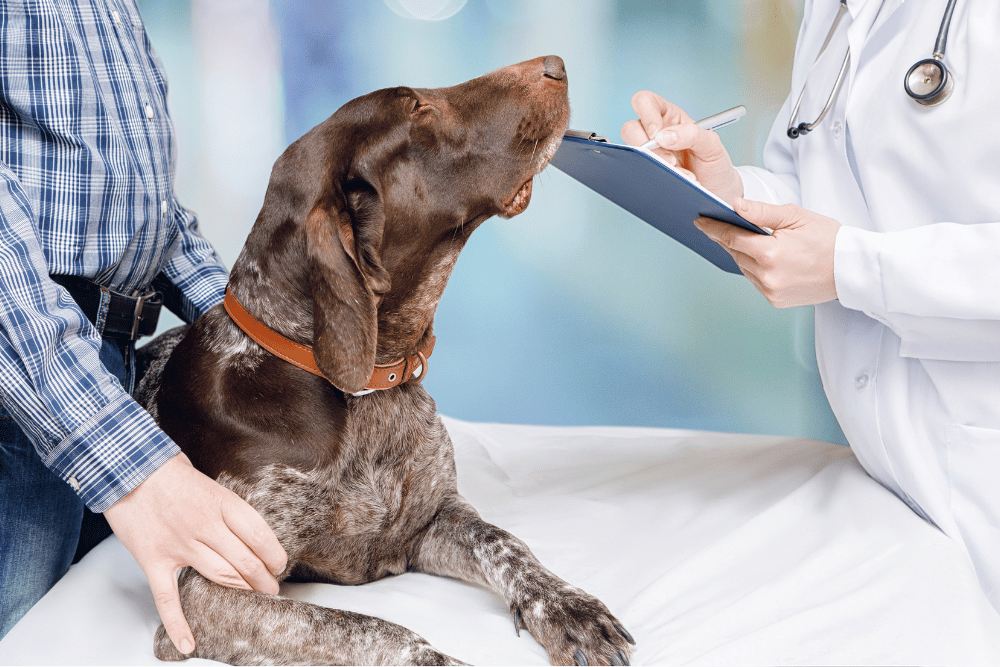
(405, 313)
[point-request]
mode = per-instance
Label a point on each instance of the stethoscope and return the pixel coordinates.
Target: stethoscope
(928, 82)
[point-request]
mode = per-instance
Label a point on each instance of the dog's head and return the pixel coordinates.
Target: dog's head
(365, 215)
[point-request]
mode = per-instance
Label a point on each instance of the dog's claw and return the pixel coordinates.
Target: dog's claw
(580, 658)
(516, 613)
(616, 659)
(624, 633)
(624, 657)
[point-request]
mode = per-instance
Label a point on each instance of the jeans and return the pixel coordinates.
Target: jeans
(40, 515)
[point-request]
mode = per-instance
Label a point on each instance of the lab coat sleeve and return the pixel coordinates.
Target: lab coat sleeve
(778, 182)
(935, 286)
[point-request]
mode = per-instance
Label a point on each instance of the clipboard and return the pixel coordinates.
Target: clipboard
(649, 188)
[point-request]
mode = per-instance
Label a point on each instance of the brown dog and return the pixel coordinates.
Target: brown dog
(361, 225)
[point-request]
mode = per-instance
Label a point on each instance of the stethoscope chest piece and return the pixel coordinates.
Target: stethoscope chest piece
(929, 82)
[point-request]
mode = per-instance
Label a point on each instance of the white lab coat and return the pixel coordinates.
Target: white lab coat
(909, 354)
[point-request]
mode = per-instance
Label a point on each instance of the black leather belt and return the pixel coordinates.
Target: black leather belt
(127, 317)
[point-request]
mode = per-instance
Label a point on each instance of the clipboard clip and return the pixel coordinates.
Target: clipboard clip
(582, 134)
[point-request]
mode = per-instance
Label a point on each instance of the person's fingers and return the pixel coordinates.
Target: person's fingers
(222, 560)
(703, 144)
(233, 563)
(248, 525)
(163, 584)
(633, 133)
(654, 112)
(766, 215)
(731, 237)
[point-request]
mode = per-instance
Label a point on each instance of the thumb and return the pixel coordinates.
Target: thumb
(163, 583)
(763, 214)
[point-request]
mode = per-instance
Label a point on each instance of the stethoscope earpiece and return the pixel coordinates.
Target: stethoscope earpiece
(929, 82)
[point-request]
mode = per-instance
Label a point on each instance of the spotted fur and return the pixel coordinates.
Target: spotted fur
(362, 224)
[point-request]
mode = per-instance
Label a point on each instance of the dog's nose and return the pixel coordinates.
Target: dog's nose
(554, 68)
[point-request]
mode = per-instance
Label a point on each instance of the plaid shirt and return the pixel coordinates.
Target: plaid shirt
(86, 189)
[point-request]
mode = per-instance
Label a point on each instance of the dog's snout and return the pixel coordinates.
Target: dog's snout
(554, 68)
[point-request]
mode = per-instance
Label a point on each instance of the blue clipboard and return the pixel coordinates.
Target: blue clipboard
(650, 189)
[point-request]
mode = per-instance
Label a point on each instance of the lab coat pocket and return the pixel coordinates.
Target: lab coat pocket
(947, 339)
(973, 472)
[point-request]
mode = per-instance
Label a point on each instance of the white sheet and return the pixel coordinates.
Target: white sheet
(711, 548)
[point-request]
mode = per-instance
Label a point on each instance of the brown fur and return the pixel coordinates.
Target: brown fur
(362, 223)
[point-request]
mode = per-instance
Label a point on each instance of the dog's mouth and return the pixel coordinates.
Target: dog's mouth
(519, 201)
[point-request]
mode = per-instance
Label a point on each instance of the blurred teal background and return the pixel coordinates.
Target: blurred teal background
(573, 312)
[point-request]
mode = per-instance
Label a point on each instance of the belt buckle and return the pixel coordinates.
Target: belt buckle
(137, 315)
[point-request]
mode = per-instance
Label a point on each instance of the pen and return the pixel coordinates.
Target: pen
(710, 123)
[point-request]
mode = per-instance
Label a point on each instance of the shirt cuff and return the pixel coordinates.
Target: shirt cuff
(857, 271)
(761, 185)
(111, 454)
(196, 288)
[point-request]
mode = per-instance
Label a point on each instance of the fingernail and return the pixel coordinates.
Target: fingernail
(651, 131)
(741, 204)
(186, 646)
(666, 138)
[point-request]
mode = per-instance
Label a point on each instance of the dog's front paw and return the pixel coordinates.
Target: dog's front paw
(575, 628)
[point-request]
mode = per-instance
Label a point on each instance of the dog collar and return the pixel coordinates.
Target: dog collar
(384, 376)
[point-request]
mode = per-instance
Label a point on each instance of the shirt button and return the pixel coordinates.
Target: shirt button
(116, 17)
(74, 484)
(861, 381)
(164, 207)
(149, 111)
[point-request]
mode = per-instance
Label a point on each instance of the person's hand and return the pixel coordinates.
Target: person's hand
(683, 144)
(178, 517)
(794, 266)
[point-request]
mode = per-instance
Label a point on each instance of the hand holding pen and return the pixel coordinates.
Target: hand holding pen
(686, 144)
(711, 123)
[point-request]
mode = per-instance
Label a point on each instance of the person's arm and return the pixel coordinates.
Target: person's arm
(194, 279)
(90, 433)
(85, 427)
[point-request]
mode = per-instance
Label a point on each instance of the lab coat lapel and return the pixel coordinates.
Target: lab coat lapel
(869, 17)
(866, 17)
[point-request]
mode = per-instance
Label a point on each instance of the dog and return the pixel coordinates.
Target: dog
(301, 392)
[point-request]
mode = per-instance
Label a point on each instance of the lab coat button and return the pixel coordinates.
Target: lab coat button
(861, 381)
(838, 129)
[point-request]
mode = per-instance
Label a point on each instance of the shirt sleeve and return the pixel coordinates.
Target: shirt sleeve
(83, 424)
(194, 279)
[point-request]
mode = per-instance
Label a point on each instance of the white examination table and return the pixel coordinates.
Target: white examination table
(711, 549)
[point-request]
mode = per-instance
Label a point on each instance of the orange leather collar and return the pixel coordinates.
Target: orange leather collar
(384, 376)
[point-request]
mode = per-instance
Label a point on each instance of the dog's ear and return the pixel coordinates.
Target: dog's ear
(346, 278)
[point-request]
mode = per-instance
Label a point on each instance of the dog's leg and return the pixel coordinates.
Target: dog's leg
(247, 628)
(571, 625)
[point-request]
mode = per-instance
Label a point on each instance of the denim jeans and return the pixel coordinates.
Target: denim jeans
(40, 515)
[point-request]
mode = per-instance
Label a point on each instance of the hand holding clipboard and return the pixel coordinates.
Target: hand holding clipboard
(647, 186)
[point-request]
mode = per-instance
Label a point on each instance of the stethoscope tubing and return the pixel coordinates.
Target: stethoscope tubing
(939, 94)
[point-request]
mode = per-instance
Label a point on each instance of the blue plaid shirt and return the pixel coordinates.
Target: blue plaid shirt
(86, 189)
